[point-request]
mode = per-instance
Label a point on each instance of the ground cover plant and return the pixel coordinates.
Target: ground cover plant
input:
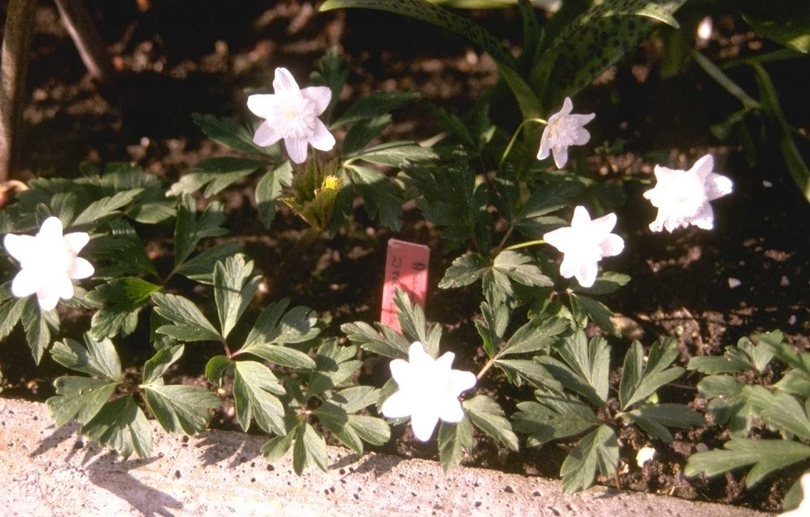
(525, 228)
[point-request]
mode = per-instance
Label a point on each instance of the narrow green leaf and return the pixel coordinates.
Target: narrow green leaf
(121, 425)
(277, 447)
(529, 370)
(189, 323)
(519, 268)
(412, 322)
(364, 131)
(381, 197)
(465, 270)
(190, 230)
(10, 313)
(608, 282)
(104, 208)
(434, 15)
(667, 415)
(229, 133)
(218, 173)
(390, 344)
(233, 290)
(590, 360)
(378, 103)
(156, 367)
(766, 455)
(275, 327)
(487, 415)
(787, 414)
(180, 408)
(215, 369)
(200, 268)
(598, 313)
(37, 325)
(396, 154)
(78, 398)
(269, 191)
(787, 23)
(534, 337)
(596, 452)
(453, 440)
(282, 356)
(309, 450)
(122, 300)
(335, 365)
(255, 391)
(99, 358)
(555, 415)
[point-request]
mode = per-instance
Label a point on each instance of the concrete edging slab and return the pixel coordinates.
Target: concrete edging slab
(52, 473)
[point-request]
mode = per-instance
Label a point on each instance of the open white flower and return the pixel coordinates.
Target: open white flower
(584, 243)
(803, 510)
(682, 197)
(49, 261)
(428, 390)
(564, 130)
(292, 113)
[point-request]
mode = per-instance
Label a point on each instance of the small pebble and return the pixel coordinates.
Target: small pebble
(701, 447)
(792, 319)
(784, 281)
(734, 282)
(767, 184)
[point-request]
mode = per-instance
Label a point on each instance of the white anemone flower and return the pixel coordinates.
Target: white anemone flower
(49, 262)
(584, 244)
(564, 130)
(428, 391)
(682, 197)
(291, 113)
(803, 510)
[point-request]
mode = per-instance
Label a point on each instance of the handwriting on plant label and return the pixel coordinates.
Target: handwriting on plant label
(406, 268)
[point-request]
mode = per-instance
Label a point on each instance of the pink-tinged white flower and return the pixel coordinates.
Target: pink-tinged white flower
(428, 391)
(803, 510)
(584, 244)
(682, 197)
(291, 113)
(49, 262)
(564, 130)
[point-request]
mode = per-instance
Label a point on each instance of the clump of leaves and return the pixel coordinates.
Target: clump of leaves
(573, 397)
(741, 399)
(276, 380)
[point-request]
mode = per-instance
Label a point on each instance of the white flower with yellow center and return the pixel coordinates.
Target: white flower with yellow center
(563, 131)
(682, 197)
(584, 244)
(291, 113)
(428, 391)
(49, 262)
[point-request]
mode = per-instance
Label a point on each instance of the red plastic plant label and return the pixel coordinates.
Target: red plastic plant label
(406, 267)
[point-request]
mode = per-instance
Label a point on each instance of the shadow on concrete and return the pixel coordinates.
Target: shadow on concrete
(144, 498)
(238, 448)
(377, 464)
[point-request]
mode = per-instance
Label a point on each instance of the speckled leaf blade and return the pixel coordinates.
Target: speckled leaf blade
(309, 450)
(453, 440)
(427, 12)
(180, 408)
(488, 416)
(78, 398)
(597, 39)
(233, 290)
(99, 358)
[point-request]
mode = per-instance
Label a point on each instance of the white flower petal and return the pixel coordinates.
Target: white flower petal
(265, 135)
(705, 218)
(61, 286)
(582, 218)
(21, 247)
(461, 381)
(718, 186)
(444, 362)
(612, 245)
(25, 283)
(604, 224)
(423, 423)
(51, 228)
(320, 97)
(569, 267)
(582, 136)
(322, 139)
(560, 156)
(568, 105)
(451, 411)
(704, 166)
(76, 241)
(419, 359)
(81, 269)
(262, 105)
(586, 274)
(284, 81)
(559, 238)
(398, 405)
(545, 148)
(47, 298)
(296, 149)
(401, 371)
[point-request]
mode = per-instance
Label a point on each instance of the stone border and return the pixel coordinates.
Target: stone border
(51, 473)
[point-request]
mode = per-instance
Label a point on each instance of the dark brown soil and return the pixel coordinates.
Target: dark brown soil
(175, 60)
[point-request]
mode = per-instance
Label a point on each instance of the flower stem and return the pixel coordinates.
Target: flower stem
(485, 369)
(525, 244)
(515, 135)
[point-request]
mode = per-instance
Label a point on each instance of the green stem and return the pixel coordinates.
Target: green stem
(515, 135)
(526, 244)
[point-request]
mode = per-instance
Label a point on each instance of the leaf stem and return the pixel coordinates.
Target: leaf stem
(486, 368)
(515, 135)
